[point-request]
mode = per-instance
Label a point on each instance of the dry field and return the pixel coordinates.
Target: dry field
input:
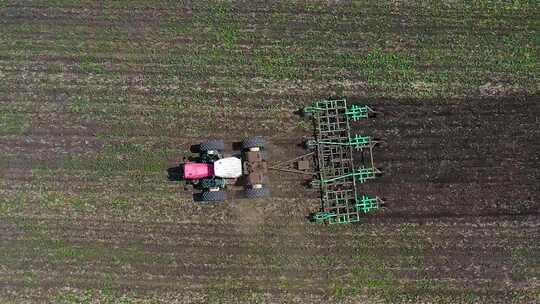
(99, 99)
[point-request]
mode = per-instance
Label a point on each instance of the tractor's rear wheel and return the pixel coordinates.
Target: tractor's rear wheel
(214, 196)
(257, 192)
(212, 145)
(254, 142)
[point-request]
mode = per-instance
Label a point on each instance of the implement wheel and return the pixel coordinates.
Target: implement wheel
(254, 142)
(212, 145)
(257, 192)
(305, 113)
(214, 196)
(310, 144)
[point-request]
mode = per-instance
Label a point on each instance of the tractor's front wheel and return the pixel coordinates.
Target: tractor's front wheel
(214, 196)
(257, 192)
(212, 145)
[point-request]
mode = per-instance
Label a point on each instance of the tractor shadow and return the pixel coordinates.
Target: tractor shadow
(237, 146)
(174, 174)
(195, 148)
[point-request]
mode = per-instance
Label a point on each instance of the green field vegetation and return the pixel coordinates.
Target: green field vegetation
(134, 83)
(13, 123)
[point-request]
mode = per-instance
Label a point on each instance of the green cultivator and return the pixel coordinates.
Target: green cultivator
(338, 162)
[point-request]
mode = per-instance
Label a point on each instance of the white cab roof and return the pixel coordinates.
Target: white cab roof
(228, 167)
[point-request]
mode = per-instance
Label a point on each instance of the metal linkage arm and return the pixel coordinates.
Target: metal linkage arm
(298, 165)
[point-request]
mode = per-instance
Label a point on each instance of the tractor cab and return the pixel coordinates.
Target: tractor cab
(213, 173)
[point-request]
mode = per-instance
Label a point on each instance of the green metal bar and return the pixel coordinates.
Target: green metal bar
(312, 109)
(356, 112)
(343, 219)
(318, 106)
(341, 201)
(335, 143)
(366, 203)
(365, 173)
(323, 216)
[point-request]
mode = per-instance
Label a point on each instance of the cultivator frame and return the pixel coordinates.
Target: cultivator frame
(335, 169)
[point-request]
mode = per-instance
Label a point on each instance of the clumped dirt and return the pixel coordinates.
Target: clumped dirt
(468, 158)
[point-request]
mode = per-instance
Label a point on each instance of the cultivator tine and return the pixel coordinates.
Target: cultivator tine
(357, 112)
(323, 216)
(363, 174)
(318, 106)
(366, 203)
(314, 183)
(338, 171)
(359, 142)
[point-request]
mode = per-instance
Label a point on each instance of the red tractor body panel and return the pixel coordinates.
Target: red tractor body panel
(198, 170)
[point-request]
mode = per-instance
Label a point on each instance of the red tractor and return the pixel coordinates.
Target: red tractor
(212, 172)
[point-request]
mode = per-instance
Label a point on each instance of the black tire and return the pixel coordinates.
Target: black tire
(213, 196)
(212, 145)
(306, 114)
(264, 155)
(314, 184)
(310, 144)
(253, 143)
(257, 192)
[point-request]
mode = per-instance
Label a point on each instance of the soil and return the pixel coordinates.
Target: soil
(461, 184)
(465, 172)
